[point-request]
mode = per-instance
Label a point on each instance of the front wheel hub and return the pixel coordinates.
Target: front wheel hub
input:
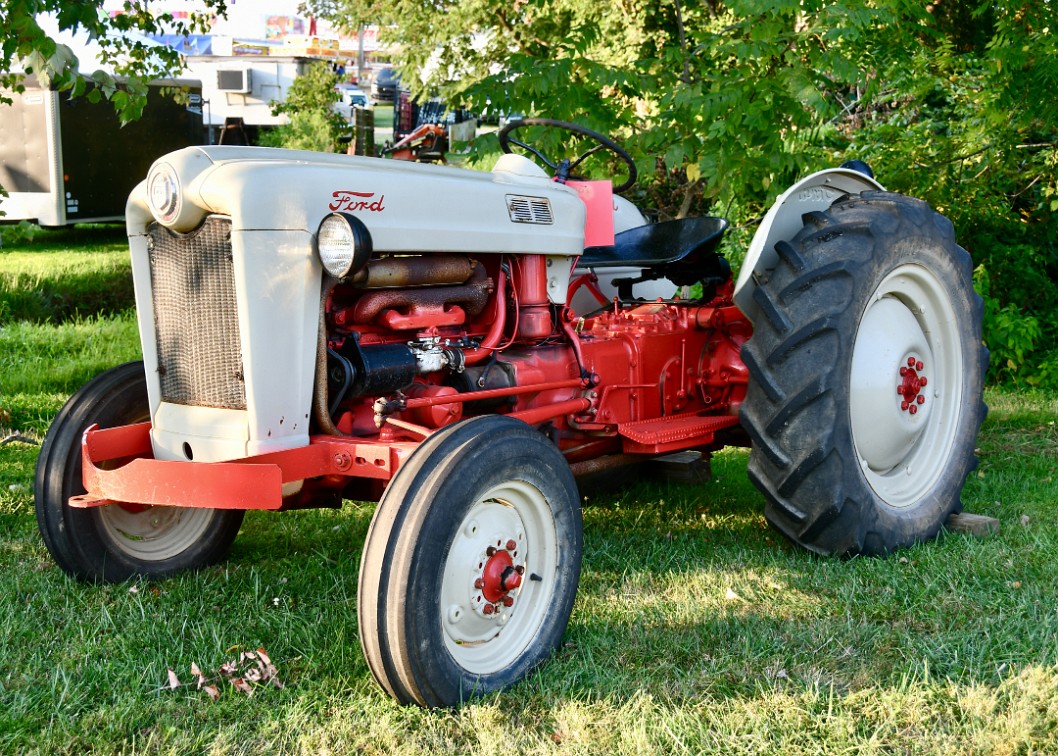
(499, 577)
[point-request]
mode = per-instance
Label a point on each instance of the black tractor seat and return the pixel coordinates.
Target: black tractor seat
(658, 244)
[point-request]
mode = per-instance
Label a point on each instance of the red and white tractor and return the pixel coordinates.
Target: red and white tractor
(461, 345)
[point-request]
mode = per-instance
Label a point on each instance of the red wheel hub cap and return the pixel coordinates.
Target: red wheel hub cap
(911, 387)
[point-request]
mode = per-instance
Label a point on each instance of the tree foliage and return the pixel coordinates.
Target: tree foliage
(26, 49)
(726, 102)
(314, 124)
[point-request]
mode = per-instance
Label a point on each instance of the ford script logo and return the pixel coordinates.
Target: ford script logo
(353, 201)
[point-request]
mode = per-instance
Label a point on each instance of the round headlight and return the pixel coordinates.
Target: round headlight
(163, 192)
(344, 244)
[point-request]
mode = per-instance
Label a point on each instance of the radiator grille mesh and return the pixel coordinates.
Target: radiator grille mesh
(196, 322)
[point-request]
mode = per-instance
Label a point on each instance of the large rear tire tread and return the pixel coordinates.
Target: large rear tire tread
(87, 543)
(821, 489)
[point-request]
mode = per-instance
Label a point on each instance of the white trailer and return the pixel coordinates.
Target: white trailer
(66, 160)
(238, 91)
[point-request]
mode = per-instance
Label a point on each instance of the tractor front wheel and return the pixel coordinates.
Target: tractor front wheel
(117, 541)
(866, 370)
(471, 563)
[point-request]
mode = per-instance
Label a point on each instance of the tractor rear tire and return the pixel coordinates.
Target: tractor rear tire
(866, 369)
(115, 542)
(471, 563)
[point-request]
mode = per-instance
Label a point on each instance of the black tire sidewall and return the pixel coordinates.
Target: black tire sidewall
(798, 405)
(473, 457)
(73, 536)
(514, 460)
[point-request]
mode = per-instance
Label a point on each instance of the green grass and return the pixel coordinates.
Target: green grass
(53, 276)
(697, 629)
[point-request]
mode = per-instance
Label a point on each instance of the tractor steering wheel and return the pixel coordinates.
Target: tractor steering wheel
(563, 168)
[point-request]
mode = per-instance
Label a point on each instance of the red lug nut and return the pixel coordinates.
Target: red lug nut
(511, 545)
(488, 609)
(508, 601)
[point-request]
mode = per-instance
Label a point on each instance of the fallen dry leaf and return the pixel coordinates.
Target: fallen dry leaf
(198, 675)
(251, 668)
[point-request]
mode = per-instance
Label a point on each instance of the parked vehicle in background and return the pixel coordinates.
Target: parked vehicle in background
(349, 98)
(68, 160)
(384, 87)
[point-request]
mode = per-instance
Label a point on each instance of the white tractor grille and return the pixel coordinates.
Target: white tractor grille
(195, 320)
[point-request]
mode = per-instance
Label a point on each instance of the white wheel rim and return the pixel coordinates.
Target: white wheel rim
(483, 640)
(903, 440)
(153, 534)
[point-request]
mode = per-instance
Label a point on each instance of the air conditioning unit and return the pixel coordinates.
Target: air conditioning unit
(234, 80)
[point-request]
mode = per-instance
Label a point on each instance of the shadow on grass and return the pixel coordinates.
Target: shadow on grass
(25, 237)
(686, 592)
(60, 295)
(71, 297)
(685, 595)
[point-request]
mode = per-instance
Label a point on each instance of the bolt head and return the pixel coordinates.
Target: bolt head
(904, 405)
(921, 399)
(913, 409)
(508, 600)
(479, 583)
(910, 361)
(919, 365)
(488, 609)
(511, 545)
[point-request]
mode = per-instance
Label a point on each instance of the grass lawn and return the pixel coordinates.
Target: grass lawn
(696, 630)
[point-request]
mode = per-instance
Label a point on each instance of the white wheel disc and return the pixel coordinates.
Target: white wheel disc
(906, 385)
(499, 577)
(153, 534)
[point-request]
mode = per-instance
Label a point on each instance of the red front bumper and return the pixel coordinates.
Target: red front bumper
(118, 466)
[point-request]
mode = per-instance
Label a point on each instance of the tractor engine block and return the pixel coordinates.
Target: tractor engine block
(431, 327)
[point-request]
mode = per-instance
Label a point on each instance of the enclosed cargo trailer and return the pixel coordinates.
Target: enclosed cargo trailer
(66, 160)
